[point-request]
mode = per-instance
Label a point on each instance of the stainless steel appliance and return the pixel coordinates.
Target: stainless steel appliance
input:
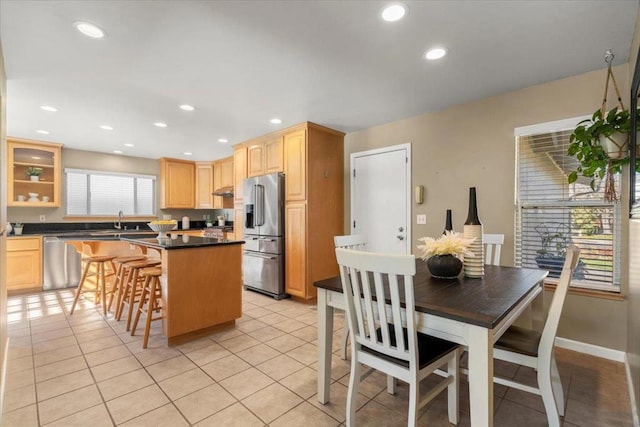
(62, 264)
(263, 255)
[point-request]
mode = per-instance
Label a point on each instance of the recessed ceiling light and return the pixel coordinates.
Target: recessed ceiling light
(187, 107)
(49, 108)
(435, 53)
(223, 140)
(44, 132)
(89, 29)
(117, 151)
(187, 153)
(106, 127)
(394, 12)
(129, 145)
(160, 124)
(275, 121)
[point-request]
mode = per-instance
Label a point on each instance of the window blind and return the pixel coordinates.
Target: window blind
(551, 214)
(105, 193)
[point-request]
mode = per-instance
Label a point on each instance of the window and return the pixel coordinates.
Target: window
(104, 193)
(550, 213)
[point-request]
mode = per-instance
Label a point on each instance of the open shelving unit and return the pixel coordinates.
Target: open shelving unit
(24, 154)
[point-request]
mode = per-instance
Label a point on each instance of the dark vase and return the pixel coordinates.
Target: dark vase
(444, 266)
(448, 226)
(472, 217)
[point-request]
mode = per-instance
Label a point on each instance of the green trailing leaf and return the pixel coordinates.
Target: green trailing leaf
(573, 177)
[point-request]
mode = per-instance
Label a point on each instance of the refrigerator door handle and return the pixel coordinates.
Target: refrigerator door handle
(259, 204)
(258, 255)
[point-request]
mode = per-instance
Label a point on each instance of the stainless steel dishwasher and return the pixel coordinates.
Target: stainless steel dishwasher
(62, 264)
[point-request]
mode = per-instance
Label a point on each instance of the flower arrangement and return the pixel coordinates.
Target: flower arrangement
(450, 243)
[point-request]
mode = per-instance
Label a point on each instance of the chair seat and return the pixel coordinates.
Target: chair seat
(429, 348)
(520, 340)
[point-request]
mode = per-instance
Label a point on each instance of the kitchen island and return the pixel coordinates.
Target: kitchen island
(201, 283)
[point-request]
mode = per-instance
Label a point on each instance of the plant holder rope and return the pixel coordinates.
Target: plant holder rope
(610, 194)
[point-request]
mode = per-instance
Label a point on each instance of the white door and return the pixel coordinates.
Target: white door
(381, 197)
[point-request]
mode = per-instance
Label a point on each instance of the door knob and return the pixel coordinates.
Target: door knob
(400, 237)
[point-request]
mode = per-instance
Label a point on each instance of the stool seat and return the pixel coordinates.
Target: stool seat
(124, 259)
(151, 271)
(99, 258)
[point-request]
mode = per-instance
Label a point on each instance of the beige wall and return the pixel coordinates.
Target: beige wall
(474, 145)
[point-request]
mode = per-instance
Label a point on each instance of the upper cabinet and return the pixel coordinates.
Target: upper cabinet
(265, 156)
(226, 172)
(273, 155)
(33, 173)
(295, 165)
(239, 171)
(223, 177)
(177, 184)
(255, 160)
(204, 185)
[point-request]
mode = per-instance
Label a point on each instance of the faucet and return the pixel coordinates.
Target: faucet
(118, 225)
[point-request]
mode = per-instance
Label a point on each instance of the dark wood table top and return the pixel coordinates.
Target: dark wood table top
(482, 302)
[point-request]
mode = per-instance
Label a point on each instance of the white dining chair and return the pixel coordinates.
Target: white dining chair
(492, 248)
(534, 349)
(350, 241)
(392, 345)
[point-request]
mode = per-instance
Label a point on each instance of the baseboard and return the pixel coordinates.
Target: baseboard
(3, 376)
(590, 349)
(632, 394)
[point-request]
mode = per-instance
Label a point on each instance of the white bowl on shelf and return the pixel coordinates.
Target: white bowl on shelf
(33, 197)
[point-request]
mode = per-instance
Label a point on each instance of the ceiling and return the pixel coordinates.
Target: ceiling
(241, 63)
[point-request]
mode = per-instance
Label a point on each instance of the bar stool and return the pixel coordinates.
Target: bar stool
(117, 289)
(101, 284)
(131, 288)
(152, 297)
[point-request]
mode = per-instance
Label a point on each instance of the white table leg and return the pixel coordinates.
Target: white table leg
(325, 343)
(480, 376)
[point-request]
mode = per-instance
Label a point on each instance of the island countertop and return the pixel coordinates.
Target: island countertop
(182, 242)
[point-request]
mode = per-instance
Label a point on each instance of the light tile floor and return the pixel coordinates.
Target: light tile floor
(85, 370)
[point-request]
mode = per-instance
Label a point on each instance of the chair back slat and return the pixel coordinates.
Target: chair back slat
(492, 248)
(557, 302)
(363, 275)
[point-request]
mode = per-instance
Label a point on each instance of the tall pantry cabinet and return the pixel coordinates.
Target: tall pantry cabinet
(314, 205)
(311, 157)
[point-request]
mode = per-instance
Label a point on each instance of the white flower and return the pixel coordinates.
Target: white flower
(450, 243)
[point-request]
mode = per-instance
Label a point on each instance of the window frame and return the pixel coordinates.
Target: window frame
(89, 172)
(614, 288)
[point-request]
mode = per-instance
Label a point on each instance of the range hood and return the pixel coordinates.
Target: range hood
(224, 191)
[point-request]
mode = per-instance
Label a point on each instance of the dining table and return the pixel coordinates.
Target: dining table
(473, 312)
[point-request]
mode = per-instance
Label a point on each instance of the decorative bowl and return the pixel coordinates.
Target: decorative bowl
(33, 194)
(163, 227)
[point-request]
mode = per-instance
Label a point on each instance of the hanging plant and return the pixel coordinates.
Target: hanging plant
(601, 143)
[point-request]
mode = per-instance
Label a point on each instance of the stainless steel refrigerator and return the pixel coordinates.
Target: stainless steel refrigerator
(263, 255)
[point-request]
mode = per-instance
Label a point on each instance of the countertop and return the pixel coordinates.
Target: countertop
(182, 242)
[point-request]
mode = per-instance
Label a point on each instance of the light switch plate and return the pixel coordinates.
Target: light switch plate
(421, 219)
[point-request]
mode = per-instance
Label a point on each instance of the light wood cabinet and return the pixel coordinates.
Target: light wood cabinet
(24, 264)
(295, 248)
(312, 159)
(177, 184)
(226, 172)
(255, 160)
(239, 171)
(314, 177)
(204, 185)
(217, 179)
(273, 155)
(295, 165)
(26, 155)
(238, 221)
(265, 157)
